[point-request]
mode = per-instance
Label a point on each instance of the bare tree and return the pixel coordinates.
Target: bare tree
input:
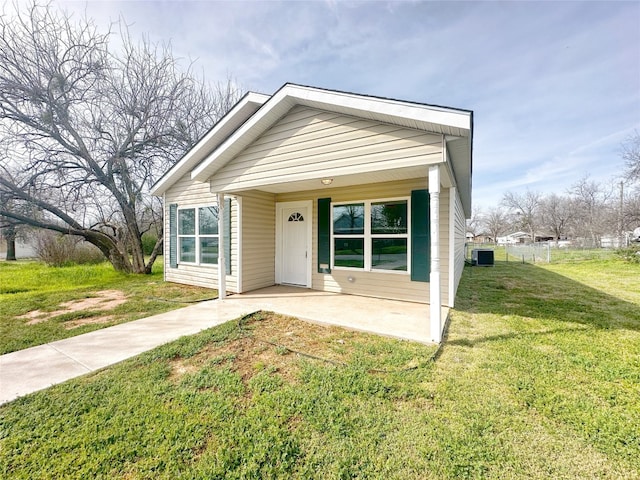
(631, 210)
(495, 222)
(87, 132)
(631, 156)
(592, 210)
(475, 222)
(525, 209)
(556, 213)
(630, 214)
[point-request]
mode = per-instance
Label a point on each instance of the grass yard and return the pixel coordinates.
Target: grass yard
(39, 304)
(539, 378)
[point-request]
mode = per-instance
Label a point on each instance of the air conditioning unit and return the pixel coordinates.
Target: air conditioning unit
(482, 257)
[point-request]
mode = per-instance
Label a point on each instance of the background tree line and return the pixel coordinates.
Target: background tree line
(587, 210)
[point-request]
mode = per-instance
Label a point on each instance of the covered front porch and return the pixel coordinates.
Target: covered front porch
(282, 240)
(393, 318)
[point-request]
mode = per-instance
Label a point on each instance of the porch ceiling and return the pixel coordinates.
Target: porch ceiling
(315, 183)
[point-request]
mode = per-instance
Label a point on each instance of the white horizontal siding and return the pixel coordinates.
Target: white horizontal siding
(308, 143)
(459, 227)
(189, 193)
(258, 240)
(444, 245)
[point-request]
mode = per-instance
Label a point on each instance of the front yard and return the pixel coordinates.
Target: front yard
(539, 378)
(40, 304)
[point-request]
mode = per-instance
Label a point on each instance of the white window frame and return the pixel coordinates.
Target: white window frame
(368, 236)
(197, 236)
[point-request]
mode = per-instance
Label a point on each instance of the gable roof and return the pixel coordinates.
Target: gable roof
(216, 149)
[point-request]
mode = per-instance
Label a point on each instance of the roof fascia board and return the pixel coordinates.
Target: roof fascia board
(384, 106)
(209, 141)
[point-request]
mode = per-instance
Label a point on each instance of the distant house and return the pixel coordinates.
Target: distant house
(614, 241)
(513, 238)
(325, 190)
(24, 248)
(479, 238)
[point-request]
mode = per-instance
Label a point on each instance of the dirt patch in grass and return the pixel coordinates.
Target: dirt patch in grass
(103, 300)
(274, 342)
(179, 368)
(327, 342)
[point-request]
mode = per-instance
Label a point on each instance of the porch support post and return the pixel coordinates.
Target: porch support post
(222, 270)
(435, 290)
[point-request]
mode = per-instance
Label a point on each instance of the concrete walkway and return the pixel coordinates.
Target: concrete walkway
(36, 368)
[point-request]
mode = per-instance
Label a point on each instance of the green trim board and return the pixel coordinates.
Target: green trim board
(324, 235)
(227, 235)
(420, 236)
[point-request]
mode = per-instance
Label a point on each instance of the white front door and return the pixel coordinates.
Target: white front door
(294, 256)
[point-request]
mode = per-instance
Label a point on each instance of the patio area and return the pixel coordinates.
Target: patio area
(406, 320)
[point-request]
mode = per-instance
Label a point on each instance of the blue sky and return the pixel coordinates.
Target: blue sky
(554, 86)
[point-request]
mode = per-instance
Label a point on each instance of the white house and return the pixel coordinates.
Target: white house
(513, 238)
(325, 190)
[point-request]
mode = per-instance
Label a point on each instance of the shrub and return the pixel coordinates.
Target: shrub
(86, 253)
(630, 254)
(148, 242)
(59, 250)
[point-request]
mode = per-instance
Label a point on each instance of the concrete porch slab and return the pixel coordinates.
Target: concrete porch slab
(392, 318)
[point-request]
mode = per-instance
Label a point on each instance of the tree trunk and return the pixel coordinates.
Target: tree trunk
(154, 254)
(109, 248)
(133, 238)
(10, 237)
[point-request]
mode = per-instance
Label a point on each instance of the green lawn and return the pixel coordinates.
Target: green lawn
(539, 378)
(28, 286)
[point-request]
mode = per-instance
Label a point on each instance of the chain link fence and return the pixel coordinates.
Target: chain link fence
(528, 253)
(541, 252)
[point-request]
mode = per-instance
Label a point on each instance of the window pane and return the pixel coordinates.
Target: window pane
(208, 220)
(187, 222)
(389, 254)
(389, 217)
(349, 252)
(348, 219)
(188, 249)
(209, 250)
